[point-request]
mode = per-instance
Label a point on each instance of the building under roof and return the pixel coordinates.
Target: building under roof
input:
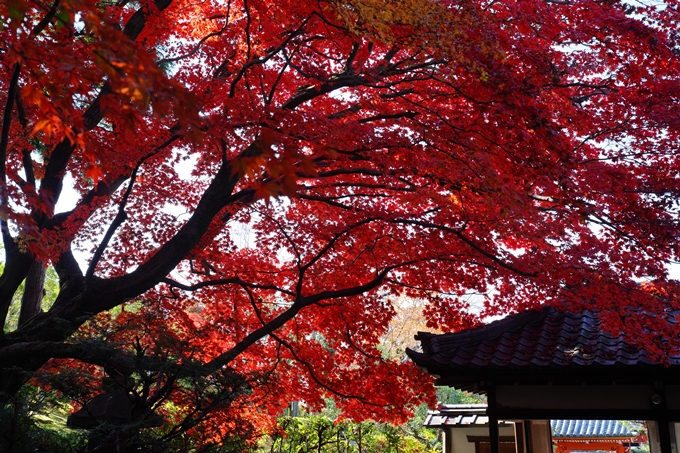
(594, 429)
(547, 364)
(459, 415)
(465, 430)
(596, 435)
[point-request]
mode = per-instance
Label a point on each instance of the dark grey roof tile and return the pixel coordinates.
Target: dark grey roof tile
(536, 339)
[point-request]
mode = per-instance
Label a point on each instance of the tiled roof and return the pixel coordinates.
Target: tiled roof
(458, 415)
(580, 429)
(457, 420)
(474, 415)
(544, 340)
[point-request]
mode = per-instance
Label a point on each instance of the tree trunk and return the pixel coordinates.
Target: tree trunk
(34, 291)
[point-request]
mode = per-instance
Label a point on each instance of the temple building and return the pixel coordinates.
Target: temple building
(544, 365)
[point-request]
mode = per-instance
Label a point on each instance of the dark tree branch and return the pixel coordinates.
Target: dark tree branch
(328, 200)
(397, 94)
(200, 43)
(45, 21)
(280, 320)
(350, 171)
(28, 167)
(67, 266)
(346, 112)
(459, 234)
(121, 216)
(97, 353)
(6, 123)
(51, 184)
(304, 94)
(16, 261)
(267, 57)
(312, 374)
(34, 291)
(222, 282)
(103, 189)
(279, 76)
(352, 56)
(350, 340)
(329, 245)
(393, 116)
(106, 294)
(137, 22)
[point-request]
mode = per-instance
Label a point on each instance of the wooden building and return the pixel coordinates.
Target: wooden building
(595, 435)
(465, 429)
(546, 364)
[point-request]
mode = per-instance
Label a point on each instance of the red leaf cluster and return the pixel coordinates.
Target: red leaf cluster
(485, 157)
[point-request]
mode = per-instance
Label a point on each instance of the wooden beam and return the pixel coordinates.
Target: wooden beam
(573, 397)
(480, 439)
(519, 437)
(511, 413)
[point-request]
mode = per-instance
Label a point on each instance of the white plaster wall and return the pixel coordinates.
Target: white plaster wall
(458, 437)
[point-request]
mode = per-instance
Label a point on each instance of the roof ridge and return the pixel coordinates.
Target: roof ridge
(488, 331)
(546, 340)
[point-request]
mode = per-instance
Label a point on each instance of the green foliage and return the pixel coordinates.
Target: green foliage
(326, 433)
(35, 420)
(431, 438)
(320, 434)
(640, 427)
(642, 448)
(51, 292)
(449, 395)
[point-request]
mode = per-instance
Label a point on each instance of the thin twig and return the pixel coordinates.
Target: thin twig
(121, 216)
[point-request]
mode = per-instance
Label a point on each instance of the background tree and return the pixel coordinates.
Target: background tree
(319, 434)
(523, 151)
(28, 423)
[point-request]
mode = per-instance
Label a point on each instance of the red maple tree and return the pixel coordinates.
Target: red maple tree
(524, 152)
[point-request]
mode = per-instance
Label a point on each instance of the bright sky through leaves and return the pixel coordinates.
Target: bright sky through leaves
(386, 149)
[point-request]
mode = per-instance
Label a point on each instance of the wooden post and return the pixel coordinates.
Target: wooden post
(527, 436)
(665, 436)
(654, 440)
(494, 436)
(520, 441)
(663, 426)
(447, 438)
(539, 438)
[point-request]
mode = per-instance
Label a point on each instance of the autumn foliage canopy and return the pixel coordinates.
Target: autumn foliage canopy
(498, 153)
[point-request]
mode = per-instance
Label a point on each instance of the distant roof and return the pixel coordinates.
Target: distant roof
(537, 345)
(580, 429)
(474, 415)
(458, 415)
